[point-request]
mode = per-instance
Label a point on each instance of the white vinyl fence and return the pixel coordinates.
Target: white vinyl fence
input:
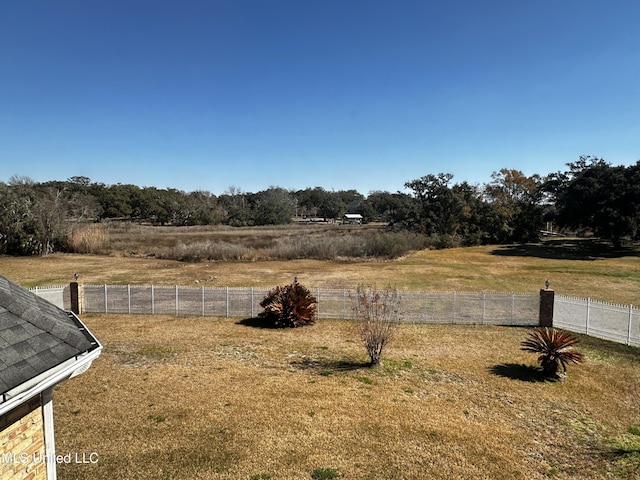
(619, 323)
(58, 295)
(453, 307)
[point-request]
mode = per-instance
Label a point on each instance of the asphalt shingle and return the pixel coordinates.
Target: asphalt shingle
(35, 336)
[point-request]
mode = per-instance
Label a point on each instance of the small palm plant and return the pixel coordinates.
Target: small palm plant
(555, 348)
(289, 306)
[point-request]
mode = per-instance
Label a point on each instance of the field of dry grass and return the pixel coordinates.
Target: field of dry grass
(577, 268)
(188, 398)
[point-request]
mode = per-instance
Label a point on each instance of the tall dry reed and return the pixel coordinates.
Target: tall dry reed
(92, 238)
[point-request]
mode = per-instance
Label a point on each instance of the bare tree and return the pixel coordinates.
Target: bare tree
(378, 316)
(49, 211)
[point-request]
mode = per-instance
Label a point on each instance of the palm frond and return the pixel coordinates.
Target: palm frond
(555, 349)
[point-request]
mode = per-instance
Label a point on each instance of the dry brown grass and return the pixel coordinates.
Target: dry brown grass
(92, 238)
(188, 398)
(325, 241)
(613, 278)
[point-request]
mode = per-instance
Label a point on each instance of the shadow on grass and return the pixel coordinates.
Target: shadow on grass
(567, 249)
(524, 373)
(326, 367)
(626, 459)
(255, 322)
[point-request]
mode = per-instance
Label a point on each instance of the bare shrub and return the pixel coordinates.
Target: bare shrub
(318, 247)
(378, 316)
(394, 244)
(291, 248)
(93, 238)
(198, 251)
(328, 246)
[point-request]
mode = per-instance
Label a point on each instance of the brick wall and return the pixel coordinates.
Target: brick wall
(22, 450)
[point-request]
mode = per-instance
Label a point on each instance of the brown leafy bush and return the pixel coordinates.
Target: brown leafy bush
(289, 306)
(207, 250)
(377, 312)
(555, 348)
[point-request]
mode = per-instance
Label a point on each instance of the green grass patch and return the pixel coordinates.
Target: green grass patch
(155, 352)
(156, 418)
(324, 473)
(365, 380)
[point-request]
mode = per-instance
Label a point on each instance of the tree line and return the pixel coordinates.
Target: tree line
(591, 196)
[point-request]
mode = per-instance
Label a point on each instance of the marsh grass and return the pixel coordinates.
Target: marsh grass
(288, 242)
(207, 403)
(93, 238)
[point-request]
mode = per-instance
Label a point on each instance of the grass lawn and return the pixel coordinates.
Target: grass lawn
(573, 267)
(189, 398)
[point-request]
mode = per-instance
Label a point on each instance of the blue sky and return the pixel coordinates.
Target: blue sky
(208, 94)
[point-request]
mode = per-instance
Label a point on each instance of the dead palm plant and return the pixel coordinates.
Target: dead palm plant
(555, 349)
(289, 306)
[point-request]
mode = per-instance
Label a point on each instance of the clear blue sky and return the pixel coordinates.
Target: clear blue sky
(364, 94)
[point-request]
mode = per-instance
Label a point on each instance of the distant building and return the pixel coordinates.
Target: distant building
(41, 345)
(352, 218)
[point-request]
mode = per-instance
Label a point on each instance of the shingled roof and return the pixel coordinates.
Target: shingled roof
(35, 336)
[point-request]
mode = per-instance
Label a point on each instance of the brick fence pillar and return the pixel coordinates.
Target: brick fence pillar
(75, 298)
(545, 318)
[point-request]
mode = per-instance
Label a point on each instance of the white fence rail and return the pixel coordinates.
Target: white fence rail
(619, 323)
(453, 307)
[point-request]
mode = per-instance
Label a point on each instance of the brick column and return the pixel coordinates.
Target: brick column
(75, 298)
(545, 318)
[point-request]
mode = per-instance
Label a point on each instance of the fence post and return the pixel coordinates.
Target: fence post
(153, 301)
(344, 303)
(513, 308)
(629, 327)
(227, 301)
(586, 320)
(75, 298)
(129, 299)
(426, 307)
(106, 303)
(545, 317)
(453, 310)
